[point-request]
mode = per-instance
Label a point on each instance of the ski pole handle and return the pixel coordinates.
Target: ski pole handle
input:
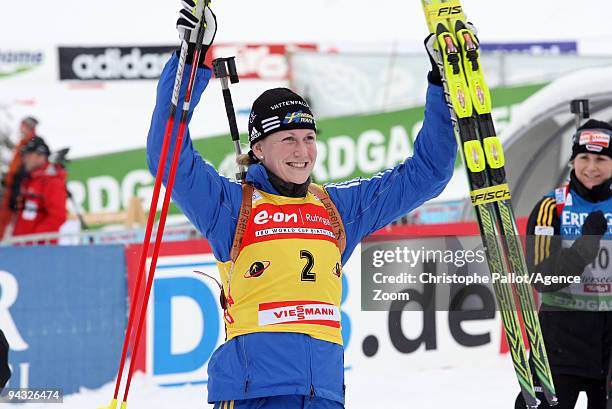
(580, 108)
(225, 70)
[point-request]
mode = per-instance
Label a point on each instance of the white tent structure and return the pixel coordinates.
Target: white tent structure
(538, 140)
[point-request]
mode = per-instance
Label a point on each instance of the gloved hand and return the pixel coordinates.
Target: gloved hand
(188, 26)
(593, 228)
(434, 58)
(595, 224)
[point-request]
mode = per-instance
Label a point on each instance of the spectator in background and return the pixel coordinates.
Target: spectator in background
(15, 173)
(28, 127)
(28, 132)
(41, 202)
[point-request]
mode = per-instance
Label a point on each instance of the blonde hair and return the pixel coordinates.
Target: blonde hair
(245, 160)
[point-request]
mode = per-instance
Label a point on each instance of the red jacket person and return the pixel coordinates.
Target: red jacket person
(42, 196)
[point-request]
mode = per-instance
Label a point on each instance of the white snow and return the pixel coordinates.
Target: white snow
(399, 387)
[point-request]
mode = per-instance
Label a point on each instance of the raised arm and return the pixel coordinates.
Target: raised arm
(209, 200)
(366, 205)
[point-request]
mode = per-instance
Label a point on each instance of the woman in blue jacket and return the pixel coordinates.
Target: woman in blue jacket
(281, 273)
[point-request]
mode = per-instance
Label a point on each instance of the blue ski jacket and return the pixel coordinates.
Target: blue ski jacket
(269, 364)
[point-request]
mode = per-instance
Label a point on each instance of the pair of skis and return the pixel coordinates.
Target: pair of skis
(467, 94)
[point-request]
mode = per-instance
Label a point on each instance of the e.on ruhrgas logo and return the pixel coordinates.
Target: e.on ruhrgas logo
(14, 62)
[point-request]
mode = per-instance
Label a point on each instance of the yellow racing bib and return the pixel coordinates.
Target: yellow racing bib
(287, 276)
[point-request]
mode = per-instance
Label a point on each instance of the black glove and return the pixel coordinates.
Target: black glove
(188, 25)
(595, 224)
(434, 75)
(594, 227)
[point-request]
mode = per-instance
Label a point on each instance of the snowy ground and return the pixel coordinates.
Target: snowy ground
(474, 388)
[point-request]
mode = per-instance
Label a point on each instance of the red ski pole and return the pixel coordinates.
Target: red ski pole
(151, 218)
(167, 196)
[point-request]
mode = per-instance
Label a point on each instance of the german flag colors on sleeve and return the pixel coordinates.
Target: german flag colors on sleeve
(543, 225)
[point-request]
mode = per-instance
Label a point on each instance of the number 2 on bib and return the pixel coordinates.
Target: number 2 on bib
(307, 274)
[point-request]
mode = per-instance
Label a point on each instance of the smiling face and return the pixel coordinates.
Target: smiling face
(290, 155)
(592, 169)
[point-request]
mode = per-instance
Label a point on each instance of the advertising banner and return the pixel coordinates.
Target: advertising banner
(539, 47)
(19, 60)
(111, 63)
(259, 61)
(183, 322)
(97, 97)
(63, 311)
